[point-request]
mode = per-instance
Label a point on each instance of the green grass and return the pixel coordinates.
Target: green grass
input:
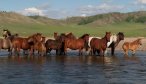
(129, 29)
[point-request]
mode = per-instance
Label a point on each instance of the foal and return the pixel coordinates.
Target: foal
(131, 46)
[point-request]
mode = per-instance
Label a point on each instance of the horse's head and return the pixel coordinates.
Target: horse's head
(70, 35)
(55, 35)
(61, 37)
(139, 42)
(113, 38)
(6, 33)
(107, 36)
(120, 36)
(85, 37)
(35, 38)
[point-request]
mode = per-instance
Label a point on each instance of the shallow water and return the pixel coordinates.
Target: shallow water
(73, 69)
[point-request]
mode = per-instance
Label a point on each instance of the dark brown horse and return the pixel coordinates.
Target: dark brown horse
(26, 43)
(100, 44)
(120, 36)
(75, 44)
(5, 43)
(53, 45)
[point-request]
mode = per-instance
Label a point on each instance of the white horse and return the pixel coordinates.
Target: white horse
(113, 38)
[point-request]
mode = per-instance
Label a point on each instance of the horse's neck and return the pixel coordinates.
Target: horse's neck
(118, 40)
(90, 38)
(104, 40)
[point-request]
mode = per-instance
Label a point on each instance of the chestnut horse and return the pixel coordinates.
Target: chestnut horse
(58, 43)
(100, 44)
(40, 47)
(75, 44)
(26, 43)
(131, 46)
(5, 43)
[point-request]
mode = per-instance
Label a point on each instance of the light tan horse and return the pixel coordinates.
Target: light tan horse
(131, 46)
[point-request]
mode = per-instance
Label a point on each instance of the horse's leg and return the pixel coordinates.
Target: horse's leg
(101, 52)
(125, 51)
(80, 52)
(113, 50)
(10, 51)
(18, 51)
(133, 52)
(57, 52)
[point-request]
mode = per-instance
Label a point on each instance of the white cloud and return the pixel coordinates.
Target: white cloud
(103, 8)
(32, 11)
(142, 1)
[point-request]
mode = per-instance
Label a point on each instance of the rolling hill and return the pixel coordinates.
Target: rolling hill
(132, 24)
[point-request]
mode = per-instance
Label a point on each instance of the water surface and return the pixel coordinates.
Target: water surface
(73, 69)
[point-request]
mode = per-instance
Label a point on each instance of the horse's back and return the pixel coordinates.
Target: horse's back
(50, 43)
(126, 45)
(74, 43)
(20, 42)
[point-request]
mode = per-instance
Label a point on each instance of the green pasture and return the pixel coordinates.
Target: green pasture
(129, 29)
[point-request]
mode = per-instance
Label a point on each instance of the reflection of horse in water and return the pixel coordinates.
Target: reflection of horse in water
(131, 46)
(6, 42)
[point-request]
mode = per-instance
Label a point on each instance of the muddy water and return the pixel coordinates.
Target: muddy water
(73, 69)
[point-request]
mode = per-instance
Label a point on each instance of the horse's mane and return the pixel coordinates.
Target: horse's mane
(34, 35)
(120, 33)
(137, 40)
(84, 36)
(8, 32)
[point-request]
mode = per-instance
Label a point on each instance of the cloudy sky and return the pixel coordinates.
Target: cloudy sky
(59, 9)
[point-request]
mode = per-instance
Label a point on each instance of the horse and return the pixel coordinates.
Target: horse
(58, 42)
(40, 47)
(5, 43)
(114, 41)
(53, 45)
(75, 44)
(26, 43)
(131, 46)
(100, 44)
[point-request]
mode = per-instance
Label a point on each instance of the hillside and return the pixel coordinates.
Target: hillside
(110, 18)
(132, 24)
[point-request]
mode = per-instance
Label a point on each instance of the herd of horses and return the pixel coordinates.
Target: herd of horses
(62, 42)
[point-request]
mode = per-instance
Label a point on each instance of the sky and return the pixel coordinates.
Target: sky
(59, 9)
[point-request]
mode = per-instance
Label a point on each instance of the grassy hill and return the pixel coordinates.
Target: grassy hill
(132, 24)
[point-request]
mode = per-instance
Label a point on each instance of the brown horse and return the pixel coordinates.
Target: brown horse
(131, 46)
(26, 43)
(40, 47)
(100, 44)
(58, 43)
(53, 45)
(75, 44)
(5, 43)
